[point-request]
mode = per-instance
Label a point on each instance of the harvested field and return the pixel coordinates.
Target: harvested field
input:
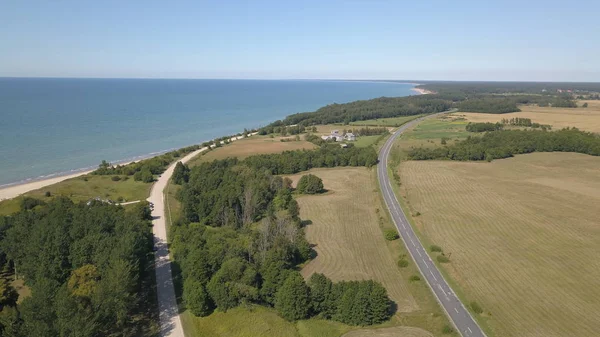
(523, 234)
(587, 119)
(251, 146)
(345, 229)
(399, 331)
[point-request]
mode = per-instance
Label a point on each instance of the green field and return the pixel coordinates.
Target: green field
(255, 321)
(366, 141)
(393, 121)
(85, 188)
(520, 232)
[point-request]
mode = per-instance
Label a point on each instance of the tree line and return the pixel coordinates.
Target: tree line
(382, 107)
(507, 143)
(483, 127)
(85, 265)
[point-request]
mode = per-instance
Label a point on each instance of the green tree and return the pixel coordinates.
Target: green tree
(233, 284)
(196, 298)
(310, 184)
(293, 298)
(585, 105)
(321, 299)
(379, 303)
(181, 173)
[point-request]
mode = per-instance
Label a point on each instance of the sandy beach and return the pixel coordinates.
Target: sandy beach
(421, 91)
(13, 191)
(16, 190)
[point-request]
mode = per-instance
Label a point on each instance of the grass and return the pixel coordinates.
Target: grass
(84, 188)
(347, 229)
(587, 119)
(399, 331)
(520, 232)
(251, 146)
(393, 121)
(366, 141)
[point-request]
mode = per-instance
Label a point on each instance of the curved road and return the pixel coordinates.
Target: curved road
(170, 323)
(455, 310)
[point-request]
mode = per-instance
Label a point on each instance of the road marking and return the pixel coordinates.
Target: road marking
(456, 310)
(418, 251)
(469, 329)
(435, 278)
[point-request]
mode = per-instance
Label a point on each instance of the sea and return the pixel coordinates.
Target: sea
(52, 126)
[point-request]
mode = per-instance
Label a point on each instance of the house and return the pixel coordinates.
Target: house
(334, 136)
(350, 136)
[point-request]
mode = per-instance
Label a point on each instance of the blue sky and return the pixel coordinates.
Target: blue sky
(378, 39)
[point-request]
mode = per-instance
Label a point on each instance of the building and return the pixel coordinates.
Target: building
(350, 137)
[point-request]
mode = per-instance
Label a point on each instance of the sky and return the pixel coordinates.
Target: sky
(526, 40)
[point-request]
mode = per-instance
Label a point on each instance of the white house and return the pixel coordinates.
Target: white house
(350, 136)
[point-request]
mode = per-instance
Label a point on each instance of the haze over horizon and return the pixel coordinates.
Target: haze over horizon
(464, 40)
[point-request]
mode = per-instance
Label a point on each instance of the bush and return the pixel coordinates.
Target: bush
(476, 307)
(585, 105)
(391, 234)
(446, 330)
(28, 203)
(435, 248)
(402, 263)
(47, 194)
(196, 299)
(443, 259)
(415, 278)
(310, 184)
(115, 178)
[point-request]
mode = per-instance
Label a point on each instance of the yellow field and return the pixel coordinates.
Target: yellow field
(587, 119)
(349, 241)
(253, 145)
(399, 331)
(523, 234)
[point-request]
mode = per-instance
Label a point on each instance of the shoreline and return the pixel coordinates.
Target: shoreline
(420, 91)
(13, 190)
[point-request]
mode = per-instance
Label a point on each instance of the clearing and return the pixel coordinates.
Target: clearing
(392, 121)
(251, 146)
(348, 239)
(522, 234)
(84, 188)
(398, 331)
(587, 119)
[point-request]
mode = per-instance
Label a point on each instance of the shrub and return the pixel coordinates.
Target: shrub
(310, 184)
(435, 248)
(47, 194)
(402, 263)
(585, 105)
(446, 330)
(391, 234)
(476, 307)
(415, 278)
(115, 178)
(443, 259)
(195, 297)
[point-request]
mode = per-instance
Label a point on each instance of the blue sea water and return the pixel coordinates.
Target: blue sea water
(52, 126)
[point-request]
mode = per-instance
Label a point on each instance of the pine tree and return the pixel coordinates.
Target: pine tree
(293, 298)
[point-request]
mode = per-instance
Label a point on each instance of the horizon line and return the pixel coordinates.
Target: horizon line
(399, 81)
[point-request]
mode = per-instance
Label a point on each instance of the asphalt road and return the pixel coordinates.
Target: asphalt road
(456, 311)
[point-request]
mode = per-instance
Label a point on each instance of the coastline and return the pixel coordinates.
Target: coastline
(421, 91)
(16, 189)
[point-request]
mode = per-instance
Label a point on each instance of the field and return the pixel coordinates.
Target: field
(346, 229)
(252, 145)
(393, 121)
(587, 119)
(523, 235)
(85, 188)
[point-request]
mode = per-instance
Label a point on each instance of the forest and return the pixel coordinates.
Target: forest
(483, 127)
(382, 107)
(241, 240)
(546, 88)
(85, 265)
(507, 143)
